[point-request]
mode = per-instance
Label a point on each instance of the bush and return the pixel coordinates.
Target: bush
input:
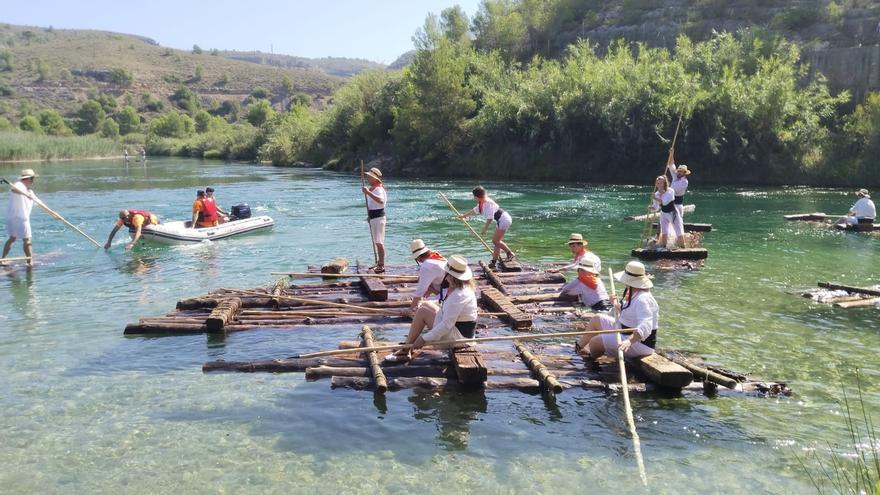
(202, 121)
(5, 90)
(109, 129)
(108, 102)
(260, 93)
(53, 124)
(89, 117)
(5, 60)
(30, 124)
(5, 124)
(260, 112)
(186, 99)
(229, 109)
(174, 125)
(151, 104)
(129, 121)
(197, 50)
(121, 77)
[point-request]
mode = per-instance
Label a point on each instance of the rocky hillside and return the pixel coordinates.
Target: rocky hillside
(334, 66)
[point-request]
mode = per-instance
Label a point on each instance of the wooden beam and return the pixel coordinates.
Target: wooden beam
(533, 298)
(547, 379)
(849, 288)
(469, 366)
(510, 266)
(871, 301)
(374, 289)
(664, 372)
(493, 279)
(809, 217)
(336, 266)
(690, 227)
(499, 302)
(706, 374)
(225, 312)
(674, 254)
(381, 385)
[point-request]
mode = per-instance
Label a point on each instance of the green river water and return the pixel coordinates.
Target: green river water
(87, 410)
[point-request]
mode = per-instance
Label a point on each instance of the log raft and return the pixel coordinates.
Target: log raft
(670, 254)
(690, 227)
(844, 296)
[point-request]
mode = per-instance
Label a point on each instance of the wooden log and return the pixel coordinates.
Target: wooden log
(656, 215)
(705, 373)
(510, 266)
(664, 372)
(336, 265)
(362, 383)
(690, 227)
(547, 380)
(848, 298)
(288, 365)
(374, 289)
(164, 328)
(225, 311)
(497, 301)
(873, 301)
(197, 303)
(379, 381)
(530, 278)
(525, 299)
(435, 371)
(809, 217)
(469, 366)
(849, 288)
(493, 280)
(674, 254)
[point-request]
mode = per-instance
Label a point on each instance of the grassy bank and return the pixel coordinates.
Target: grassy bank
(20, 146)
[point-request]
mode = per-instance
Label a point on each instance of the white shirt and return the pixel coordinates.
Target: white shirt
(431, 275)
(587, 295)
(489, 209)
(372, 204)
(459, 305)
(20, 206)
(663, 199)
(642, 313)
(679, 184)
(587, 255)
(864, 208)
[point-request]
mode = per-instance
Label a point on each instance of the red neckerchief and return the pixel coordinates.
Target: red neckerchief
(434, 255)
(588, 279)
(373, 188)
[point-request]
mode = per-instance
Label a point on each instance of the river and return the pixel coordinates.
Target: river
(87, 410)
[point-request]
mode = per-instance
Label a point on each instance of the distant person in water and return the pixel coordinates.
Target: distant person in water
(492, 212)
(125, 154)
(135, 220)
(143, 154)
(18, 214)
(210, 201)
(377, 198)
(863, 211)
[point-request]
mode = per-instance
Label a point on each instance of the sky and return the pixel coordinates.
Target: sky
(377, 30)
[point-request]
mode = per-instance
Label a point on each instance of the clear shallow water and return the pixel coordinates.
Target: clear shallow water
(85, 409)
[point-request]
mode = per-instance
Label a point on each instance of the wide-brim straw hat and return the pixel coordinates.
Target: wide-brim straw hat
(683, 170)
(418, 248)
(863, 192)
(457, 266)
(634, 275)
(587, 266)
(375, 174)
(28, 173)
(576, 239)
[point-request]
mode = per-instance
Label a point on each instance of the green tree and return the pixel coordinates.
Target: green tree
(199, 74)
(107, 102)
(286, 87)
(260, 93)
(197, 50)
(290, 138)
(5, 60)
(42, 69)
(89, 117)
(186, 99)
(109, 129)
(30, 124)
(173, 125)
(121, 77)
(229, 109)
(259, 112)
(53, 124)
(455, 25)
(128, 119)
(224, 79)
(202, 121)
(151, 104)
(5, 124)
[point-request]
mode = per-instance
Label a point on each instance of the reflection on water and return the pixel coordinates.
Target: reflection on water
(452, 412)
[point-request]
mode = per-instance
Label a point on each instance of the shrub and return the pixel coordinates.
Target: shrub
(151, 104)
(5, 60)
(200, 73)
(224, 79)
(175, 125)
(229, 109)
(42, 70)
(260, 93)
(53, 124)
(121, 77)
(197, 50)
(30, 124)
(202, 121)
(5, 90)
(109, 129)
(89, 117)
(260, 112)
(129, 121)
(186, 99)
(5, 124)
(108, 102)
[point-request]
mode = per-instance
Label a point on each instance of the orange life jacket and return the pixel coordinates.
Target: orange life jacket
(148, 218)
(209, 212)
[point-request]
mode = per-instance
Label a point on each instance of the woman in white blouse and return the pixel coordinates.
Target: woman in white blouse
(455, 318)
(679, 176)
(639, 311)
(670, 221)
(492, 212)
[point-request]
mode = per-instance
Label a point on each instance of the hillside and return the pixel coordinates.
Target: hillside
(333, 66)
(57, 68)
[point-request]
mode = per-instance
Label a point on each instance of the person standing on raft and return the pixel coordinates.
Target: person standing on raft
(492, 212)
(431, 272)
(18, 215)
(670, 220)
(638, 311)
(455, 318)
(135, 220)
(376, 201)
(588, 287)
(679, 184)
(863, 211)
(578, 246)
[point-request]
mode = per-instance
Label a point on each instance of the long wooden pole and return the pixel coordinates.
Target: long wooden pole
(345, 275)
(447, 343)
(367, 205)
(637, 444)
(465, 222)
(52, 213)
(363, 309)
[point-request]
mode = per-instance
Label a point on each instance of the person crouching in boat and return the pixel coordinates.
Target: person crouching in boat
(211, 203)
(455, 318)
(377, 198)
(578, 247)
(863, 211)
(135, 220)
(638, 311)
(679, 184)
(431, 272)
(588, 287)
(492, 212)
(671, 223)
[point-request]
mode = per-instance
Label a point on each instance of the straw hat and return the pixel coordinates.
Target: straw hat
(587, 266)
(457, 266)
(863, 192)
(576, 238)
(374, 174)
(418, 248)
(634, 276)
(28, 174)
(683, 170)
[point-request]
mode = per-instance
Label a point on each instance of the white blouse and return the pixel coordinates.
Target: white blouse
(459, 305)
(679, 185)
(20, 206)
(372, 204)
(642, 313)
(489, 209)
(864, 208)
(589, 256)
(431, 275)
(663, 199)
(587, 295)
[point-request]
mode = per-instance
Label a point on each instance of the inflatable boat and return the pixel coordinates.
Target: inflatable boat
(180, 232)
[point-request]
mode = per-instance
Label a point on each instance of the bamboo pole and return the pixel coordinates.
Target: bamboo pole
(637, 445)
(448, 343)
(344, 275)
(52, 212)
(465, 222)
(367, 206)
(362, 309)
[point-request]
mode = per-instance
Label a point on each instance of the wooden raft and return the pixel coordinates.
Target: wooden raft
(493, 298)
(670, 254)
(690, 227)
(656, 215)
(852, 297)
(664, 372)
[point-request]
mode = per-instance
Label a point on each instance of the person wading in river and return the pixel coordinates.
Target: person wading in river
(135, 220)
(431, 272)
(492, 212)
(863, 211)
(376, 201)
(639, 311)
(210, 201)
(18, 214)
(455, 318)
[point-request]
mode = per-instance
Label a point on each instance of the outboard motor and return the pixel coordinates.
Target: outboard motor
(240, 211)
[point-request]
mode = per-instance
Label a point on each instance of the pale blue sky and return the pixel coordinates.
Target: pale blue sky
(378, 30)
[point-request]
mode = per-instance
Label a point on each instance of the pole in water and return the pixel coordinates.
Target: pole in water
(465, 222)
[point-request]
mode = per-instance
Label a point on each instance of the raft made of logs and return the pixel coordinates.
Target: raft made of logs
(655, 215)
(861, 227)
(844, 296)
(811, 217)
(670, 254)
(690, 227)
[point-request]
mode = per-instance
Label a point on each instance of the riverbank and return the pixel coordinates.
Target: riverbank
(18, 147)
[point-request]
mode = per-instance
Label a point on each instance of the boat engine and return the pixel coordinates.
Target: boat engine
(240, 211)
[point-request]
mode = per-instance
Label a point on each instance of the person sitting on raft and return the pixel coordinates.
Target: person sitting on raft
(671, 223)
(863, 211)
(492, 212)
(679, 184)
(639, 311)
(578, 246)
(431, 272)
(135, 220)
(588, 287)
(455, 318)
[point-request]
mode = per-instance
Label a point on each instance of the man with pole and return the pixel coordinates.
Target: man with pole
(18, 214)
(376, 199)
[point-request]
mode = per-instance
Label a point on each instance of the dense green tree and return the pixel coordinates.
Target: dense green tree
(259, 112)
(121, 77)
(202, 121)
(455, 25)
(109, 129)
(290, 137)
(186, 99)
(53, 124)
(129, 121)
(30, 124)
(89, 117)
(229, 109)
(260, 93)
(173, 125)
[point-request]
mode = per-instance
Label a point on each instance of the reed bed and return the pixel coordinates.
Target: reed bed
(16, 146)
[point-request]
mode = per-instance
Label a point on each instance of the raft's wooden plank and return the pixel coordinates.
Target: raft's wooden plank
(656, 215)
(862, 227)
(674, 254)
(225, 312)
(808, 217)
(706, 374)
(534, 298)
(871, 301)
(374, 289)
(547, 379)
(469, 366)
(690, 227)
(664, 372)
(510, 266)
(164, 328)
(849, 288)
(497, 301)
(336, 265)
(493, 279)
